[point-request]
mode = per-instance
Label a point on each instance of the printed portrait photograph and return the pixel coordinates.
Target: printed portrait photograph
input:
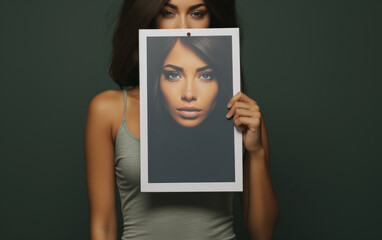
(189, 84)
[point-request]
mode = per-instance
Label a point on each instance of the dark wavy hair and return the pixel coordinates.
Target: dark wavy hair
(141, 14)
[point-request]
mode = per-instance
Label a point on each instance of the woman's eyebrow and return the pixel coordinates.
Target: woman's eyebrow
(190, 8)
(171, 6)
(203, 68)
(196, 6)
(174, 67)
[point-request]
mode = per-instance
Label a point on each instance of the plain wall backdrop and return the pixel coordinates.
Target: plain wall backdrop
(314, 67)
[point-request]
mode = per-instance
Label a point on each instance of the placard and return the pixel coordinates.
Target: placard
(187, 77)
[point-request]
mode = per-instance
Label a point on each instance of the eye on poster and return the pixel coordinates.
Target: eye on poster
(187, 77)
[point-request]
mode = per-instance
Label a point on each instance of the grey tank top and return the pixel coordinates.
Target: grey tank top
(177, 215)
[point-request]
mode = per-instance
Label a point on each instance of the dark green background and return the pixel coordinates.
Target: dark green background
(313, 66)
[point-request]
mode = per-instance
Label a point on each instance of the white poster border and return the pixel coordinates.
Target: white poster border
(237, 185)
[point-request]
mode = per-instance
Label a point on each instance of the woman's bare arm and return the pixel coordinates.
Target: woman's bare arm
(259, 203)
(99, 159)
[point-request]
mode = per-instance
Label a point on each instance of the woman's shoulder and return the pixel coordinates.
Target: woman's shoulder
(106, 106)
(106, 102)
(107, 97)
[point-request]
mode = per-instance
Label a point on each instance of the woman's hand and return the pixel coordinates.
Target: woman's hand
(246, 117)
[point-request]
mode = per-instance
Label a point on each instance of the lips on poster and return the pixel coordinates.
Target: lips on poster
(187, 77)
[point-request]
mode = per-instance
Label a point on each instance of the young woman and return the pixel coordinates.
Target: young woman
(112, 144)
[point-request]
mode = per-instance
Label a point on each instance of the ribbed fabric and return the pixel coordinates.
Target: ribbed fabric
(166, 216)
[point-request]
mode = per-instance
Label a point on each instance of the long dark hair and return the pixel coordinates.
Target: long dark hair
(141, 14)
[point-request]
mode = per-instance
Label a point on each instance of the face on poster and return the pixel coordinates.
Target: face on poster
(187, 77)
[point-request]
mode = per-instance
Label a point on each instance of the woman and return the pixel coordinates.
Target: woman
(189, 85)
(112, 146)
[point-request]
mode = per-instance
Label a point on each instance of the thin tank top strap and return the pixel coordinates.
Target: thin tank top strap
(124, 103)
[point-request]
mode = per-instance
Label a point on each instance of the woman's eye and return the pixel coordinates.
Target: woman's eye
(198, 14)
(207, 76)
(170, 75)
(166, 13)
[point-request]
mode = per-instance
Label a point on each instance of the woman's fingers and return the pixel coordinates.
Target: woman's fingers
(246, 118)
(241, 112)
(250, 122)
(246, 112)
(237, 105)
(252, 107)
(240, 97)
